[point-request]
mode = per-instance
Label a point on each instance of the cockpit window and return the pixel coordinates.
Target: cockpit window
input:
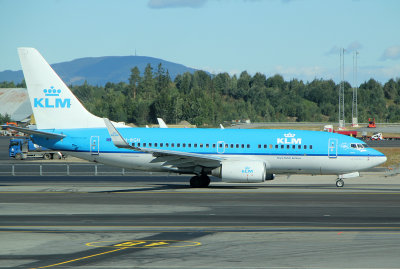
(353, 145)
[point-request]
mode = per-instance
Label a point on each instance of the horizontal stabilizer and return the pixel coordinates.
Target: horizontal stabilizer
(35, 132)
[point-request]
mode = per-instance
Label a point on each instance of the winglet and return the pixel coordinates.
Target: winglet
(116, 137)
(162, 123)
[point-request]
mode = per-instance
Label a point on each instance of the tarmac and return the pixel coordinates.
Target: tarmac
(146, 221)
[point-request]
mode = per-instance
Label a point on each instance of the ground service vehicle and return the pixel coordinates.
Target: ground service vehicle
(23, 148)
(371, 123)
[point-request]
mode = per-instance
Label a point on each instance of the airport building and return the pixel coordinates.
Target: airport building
(15, 102)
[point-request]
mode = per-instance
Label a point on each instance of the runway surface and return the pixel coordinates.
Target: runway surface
(158, 222)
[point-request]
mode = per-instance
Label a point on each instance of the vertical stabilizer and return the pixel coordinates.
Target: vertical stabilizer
(54, 105)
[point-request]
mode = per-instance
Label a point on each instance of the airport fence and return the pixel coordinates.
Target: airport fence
(69, 169)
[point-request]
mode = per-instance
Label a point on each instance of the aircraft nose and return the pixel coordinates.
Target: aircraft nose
(384, 159)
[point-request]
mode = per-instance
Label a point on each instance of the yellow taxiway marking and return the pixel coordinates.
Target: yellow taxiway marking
(145, 244)
(81, 258)
(126, 245)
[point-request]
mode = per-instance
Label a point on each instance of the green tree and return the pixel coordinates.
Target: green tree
(134, 80)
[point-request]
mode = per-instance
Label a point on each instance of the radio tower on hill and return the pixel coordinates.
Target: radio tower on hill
(354, 111)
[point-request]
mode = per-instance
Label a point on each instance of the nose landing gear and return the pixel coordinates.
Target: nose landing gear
(339, 183)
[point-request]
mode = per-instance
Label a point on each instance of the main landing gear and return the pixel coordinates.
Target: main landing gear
(200, 181)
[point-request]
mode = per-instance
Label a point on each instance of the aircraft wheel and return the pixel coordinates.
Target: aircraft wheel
(47, 156)
(205, 180)
(18, 156)
(195, 182)
(339, 183)
(200, 181)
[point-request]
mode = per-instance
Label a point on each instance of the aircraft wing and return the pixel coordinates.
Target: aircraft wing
(35, 132)
(171, 159)
(162, 123)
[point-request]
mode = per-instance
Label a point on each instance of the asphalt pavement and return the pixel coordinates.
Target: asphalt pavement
(159, 222)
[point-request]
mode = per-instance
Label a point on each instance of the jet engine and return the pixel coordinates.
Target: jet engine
(243, 172)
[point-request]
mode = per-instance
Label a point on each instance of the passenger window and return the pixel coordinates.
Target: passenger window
(138, 144)
(166, 144)
(172, 145)
(305, 146)
(248, 146)
(237, 146)
(189, 145)
(282, 146)
(231, 146)
(207, 145)
(265, 146)
(214, 146)
(259, 146)
(155, 144)
(226, 146)
(287, 146)
(178, 145)
(270, 146)
(276, 146)
(195, 145)
(201, 145)
(299, 146)
(293, 147)
(310, 146)
(242, 146)
(184, 145)
(144, 144)
(161, 144)
(150, 144)
(133, 144)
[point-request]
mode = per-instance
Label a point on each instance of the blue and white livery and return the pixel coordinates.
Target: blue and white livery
(239, 155)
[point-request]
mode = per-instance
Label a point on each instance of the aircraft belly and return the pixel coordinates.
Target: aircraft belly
(124, 160)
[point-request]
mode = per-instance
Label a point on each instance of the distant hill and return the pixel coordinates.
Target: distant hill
(100, 70)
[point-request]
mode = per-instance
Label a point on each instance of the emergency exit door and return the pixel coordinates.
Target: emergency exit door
(94, 145)
(332, 148)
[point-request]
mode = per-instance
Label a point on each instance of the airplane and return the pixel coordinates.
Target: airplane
(234, 155)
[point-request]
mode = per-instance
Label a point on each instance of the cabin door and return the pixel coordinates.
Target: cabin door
(332, 148)
(94, 145)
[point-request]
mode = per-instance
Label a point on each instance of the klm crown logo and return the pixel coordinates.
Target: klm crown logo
(50, 100)
(52, 91)
(289, 135)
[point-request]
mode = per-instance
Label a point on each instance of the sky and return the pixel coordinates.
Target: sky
(299, 39)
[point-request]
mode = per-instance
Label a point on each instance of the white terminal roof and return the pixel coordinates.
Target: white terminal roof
(15, 102)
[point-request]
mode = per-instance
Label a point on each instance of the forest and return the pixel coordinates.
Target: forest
(208, 100)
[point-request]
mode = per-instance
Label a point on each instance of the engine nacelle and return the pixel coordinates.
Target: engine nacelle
(243, 172)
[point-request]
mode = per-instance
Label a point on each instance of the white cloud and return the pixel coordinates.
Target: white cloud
(391, 53)
(158, 4)
(333, 51)
(353, 46)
